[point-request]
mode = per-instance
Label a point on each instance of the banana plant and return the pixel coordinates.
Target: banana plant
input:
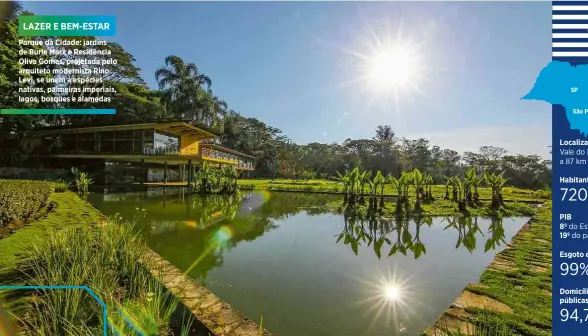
(405, 181)
(428, 182)
(403, 187)
(354, 177)
(379, 181)
(83, 182)
(372, 189)
(229, 179)
(396, 183)
(471, 180)
(477, 182)
(461, 194)
(364, 178)
(448, 183)
(454, 193)
(417, 182)
(345, 179)
(496, 183)
(203, 177)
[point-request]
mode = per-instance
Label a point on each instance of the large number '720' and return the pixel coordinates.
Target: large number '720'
(573, 194)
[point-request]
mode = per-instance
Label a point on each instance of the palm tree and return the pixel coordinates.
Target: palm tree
(212, 110)
(182, 85)
(385, 139)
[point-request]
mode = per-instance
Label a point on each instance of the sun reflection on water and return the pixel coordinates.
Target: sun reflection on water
(390, 300)
(392, 292)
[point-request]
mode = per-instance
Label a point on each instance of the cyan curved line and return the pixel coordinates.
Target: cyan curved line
(86, 288)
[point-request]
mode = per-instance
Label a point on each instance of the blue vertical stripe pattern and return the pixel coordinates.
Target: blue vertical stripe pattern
(569, 31)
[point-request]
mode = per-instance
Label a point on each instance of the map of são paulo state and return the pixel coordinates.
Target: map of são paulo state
(566, 85)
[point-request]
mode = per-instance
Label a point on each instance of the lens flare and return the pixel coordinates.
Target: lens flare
(223, 236)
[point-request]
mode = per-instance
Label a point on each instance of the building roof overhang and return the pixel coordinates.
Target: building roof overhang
(177, 128)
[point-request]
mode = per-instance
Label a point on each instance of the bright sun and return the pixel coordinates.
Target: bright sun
(391, 69)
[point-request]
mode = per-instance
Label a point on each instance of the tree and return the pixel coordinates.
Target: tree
(183, 88)
(184, 92)
(385, 140)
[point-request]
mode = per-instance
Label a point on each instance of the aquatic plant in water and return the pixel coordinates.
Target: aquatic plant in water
(211, 180)
(82, 180)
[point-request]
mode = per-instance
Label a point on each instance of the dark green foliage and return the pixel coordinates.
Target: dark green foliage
(20, 199)
(212, 180)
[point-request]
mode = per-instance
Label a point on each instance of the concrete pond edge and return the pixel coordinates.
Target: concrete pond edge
(218, 316)
(215, 314)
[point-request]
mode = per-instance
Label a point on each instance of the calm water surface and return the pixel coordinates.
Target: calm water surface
(310, 272)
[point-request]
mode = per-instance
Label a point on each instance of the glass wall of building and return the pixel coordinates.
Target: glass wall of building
(165, 144)
(119, 142)
(138, 142)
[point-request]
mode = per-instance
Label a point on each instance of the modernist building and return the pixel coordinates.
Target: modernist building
(137, 153)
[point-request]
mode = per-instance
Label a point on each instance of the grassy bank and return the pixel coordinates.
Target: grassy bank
(438, 207)
(518, 202)
(68, 212)
(74, 245)
(326, 186)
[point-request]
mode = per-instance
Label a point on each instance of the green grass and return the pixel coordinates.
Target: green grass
(440, 207)
(75, 245)
(524, 287)
(326, 186)
(104, 259)
(522, 281)
(69, 211)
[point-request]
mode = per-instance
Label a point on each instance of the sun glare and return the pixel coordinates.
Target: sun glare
(392, 68)
(388, 63)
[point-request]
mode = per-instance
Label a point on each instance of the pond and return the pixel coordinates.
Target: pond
(311, 272)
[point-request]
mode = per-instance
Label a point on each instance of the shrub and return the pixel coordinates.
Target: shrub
(21, 199)
(61, 186)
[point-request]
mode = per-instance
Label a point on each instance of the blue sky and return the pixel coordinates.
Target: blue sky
(295, 65)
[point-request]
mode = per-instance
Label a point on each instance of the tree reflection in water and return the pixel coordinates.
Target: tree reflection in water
(193, 232)
(197, 240)
(403, 235)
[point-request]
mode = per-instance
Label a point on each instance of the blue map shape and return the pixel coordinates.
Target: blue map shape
(555, 85)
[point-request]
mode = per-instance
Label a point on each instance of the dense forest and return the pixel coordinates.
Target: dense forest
(185, 92)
